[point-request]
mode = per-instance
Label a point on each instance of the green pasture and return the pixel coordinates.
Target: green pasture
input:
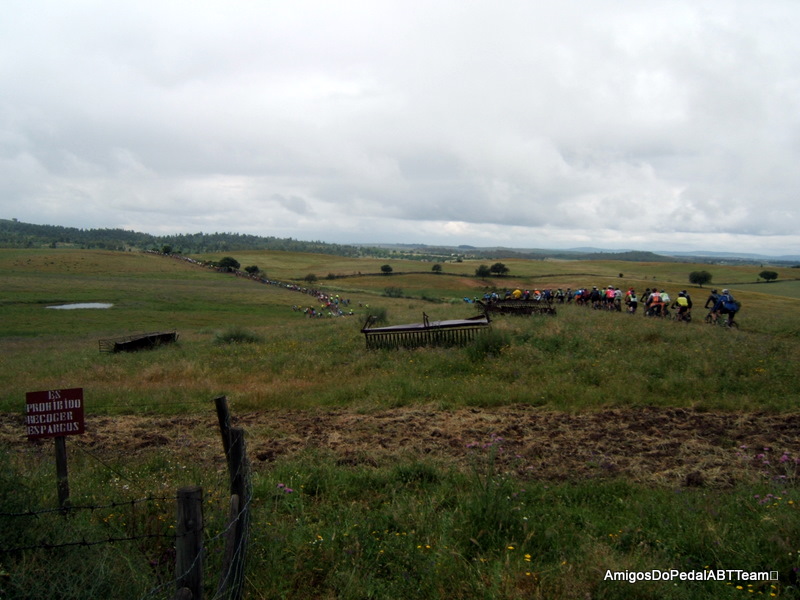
(416, 526)
(580, 359)
(411, 528)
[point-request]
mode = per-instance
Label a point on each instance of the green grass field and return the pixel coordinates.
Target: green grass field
(395, 516)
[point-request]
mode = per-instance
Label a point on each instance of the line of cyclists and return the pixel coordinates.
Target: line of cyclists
(657, 303)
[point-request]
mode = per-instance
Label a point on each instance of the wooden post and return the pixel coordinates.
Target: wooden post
(231, 584)
(224, 417)
(62, 478)
(237, 464)
(239, 476)
(226, 580)
(189, 542)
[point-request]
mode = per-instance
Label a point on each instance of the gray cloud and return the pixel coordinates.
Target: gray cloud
(636, 124)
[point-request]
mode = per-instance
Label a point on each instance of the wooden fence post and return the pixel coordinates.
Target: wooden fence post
(189, 542)
(231, 583)
(224, 418)
(62, 478)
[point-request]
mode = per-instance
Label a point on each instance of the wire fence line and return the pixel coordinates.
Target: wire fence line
(227, 545)
(71, 510)
(89, 507)
(85, 543)
(230, 578)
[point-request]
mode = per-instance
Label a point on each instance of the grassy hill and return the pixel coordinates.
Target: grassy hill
(524, 466)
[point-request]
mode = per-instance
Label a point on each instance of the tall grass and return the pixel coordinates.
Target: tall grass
(414, 526)
(410, 528)
(579, 359)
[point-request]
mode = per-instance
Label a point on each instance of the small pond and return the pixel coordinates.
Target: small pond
(82, 305)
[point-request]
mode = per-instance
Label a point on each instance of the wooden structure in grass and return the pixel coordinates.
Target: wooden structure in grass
(453, 332)
(138, 341)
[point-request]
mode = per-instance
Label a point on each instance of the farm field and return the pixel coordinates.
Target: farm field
(527, 466)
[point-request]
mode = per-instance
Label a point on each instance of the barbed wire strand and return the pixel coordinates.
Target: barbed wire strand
(90, 507)
(83, 542)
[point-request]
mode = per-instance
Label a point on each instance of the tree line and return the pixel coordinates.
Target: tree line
(15, 234)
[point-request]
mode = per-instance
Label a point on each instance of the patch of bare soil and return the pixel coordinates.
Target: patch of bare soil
(649, 445)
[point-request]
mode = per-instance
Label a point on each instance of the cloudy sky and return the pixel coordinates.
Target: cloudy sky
(524, 123)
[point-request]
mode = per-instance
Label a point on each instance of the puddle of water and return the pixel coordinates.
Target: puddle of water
(82, 305)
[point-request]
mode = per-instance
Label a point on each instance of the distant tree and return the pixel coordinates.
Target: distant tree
(483, 271)
(499, 269)
(166, 249)
(386, 269)
(252, 269)
(437, 268)
(768, 275)
(699, 277)
(393, 292)
(310, 278)
(229, 263)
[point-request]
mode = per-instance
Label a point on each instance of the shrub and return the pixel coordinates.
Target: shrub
(768, 275)
(236, 335)
(379, 314)
(488, 343)
(229, 263)
(499, 269)
(393, 292)
(699, 277)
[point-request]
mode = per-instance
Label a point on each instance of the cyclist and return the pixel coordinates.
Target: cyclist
(631, 301)
(595, 297)
(609, 295)
(655, 307)
(617, 299)
(712, 299)
(726, 305)
(684, 305)
(645, 300)
(688, 297)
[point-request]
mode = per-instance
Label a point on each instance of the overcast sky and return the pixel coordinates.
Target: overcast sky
(610, 123)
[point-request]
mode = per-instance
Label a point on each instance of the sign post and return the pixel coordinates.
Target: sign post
(56, 414)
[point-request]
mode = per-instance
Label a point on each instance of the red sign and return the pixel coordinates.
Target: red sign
(54, 413)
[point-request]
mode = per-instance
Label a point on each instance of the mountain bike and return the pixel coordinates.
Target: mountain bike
(713, 318)
(685, 316)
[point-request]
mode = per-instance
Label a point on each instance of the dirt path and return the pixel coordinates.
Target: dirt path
(660, 446)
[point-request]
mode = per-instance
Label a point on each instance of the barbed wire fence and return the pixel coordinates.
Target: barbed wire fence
(187, 538)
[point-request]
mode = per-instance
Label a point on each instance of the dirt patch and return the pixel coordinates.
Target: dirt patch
(653, 445)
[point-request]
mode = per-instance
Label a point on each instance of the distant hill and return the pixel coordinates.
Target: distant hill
(15, 234)
(26, 235)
